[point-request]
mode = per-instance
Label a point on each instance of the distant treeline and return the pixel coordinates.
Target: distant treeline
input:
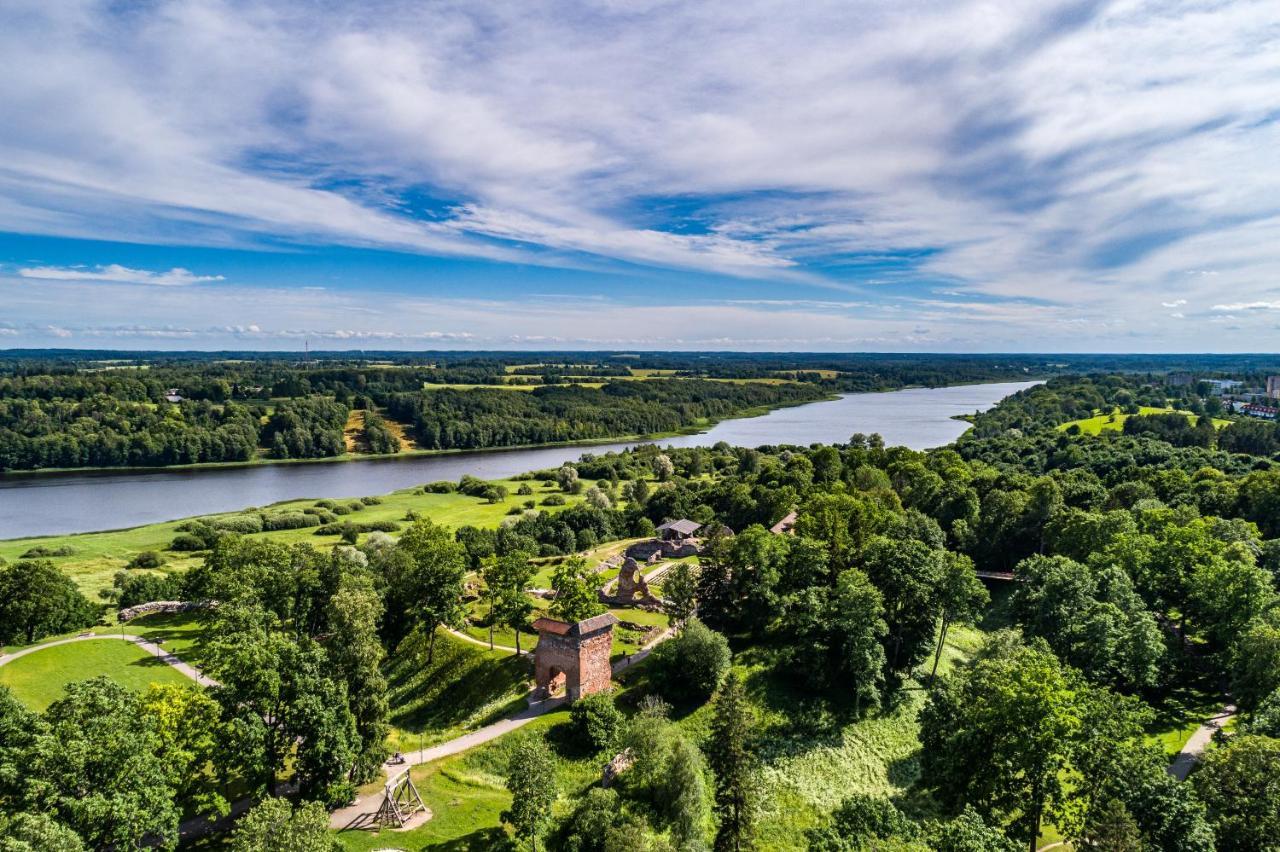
(1041, 409)
(471, 419)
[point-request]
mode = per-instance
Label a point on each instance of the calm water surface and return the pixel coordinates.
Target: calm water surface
(81, 502)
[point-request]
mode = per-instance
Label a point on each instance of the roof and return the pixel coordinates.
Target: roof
(564, 628)
(784, 525)
(684, 526)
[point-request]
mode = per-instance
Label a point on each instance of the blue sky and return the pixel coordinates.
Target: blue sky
(943, 176)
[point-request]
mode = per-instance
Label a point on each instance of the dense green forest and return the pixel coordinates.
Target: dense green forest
(1140, 567)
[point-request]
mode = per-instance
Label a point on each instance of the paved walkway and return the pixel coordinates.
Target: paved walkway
(147, 645)
(458, 634)
(360, 813)
(1190, 754)
(1199, 741)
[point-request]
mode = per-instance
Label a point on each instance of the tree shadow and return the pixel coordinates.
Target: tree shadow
(483, 840)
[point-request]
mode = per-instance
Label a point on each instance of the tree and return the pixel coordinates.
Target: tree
(692, 665)
(598, 499)
(37, 832)
(968, 833)
(1256, 673)
(731, 755)
(1113, 829)
(98, 764)
(834, 637)
(505, 579)
(679, 594)
(596, 722)
(356, 653)
(858, 821)
(1237, 785)
(909, 575)
(567, 477)
(531, 780)
(597, 812)
(575, 598)
(662, 467)
(273, 825)
(37, 599)
(684, 796)
(280, 701)
(999, 736)
(963, 598)
(433, 589)
(189, 725)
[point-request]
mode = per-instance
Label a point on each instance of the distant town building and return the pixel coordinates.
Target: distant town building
(1218, 387)
(1179, 380)
(1273, 387)
(173, 395)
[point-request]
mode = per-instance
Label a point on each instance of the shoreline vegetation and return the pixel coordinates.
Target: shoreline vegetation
(758, 411)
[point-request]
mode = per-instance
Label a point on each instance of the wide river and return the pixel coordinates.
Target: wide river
(54, 504)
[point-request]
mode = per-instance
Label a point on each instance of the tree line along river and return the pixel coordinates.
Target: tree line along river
(61, 503)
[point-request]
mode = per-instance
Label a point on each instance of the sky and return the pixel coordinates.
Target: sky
(856, 175)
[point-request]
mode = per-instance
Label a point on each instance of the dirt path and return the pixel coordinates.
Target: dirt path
(147, 645)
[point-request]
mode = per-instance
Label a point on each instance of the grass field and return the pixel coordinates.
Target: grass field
(1114, 422)
(38, 679)
(98, 556)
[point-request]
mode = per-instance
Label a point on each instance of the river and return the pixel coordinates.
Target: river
(55, 504)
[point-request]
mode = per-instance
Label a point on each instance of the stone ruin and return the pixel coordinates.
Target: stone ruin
(573, 657)
(622, 761)
(655, 549)
(152, 607)
(630, 589)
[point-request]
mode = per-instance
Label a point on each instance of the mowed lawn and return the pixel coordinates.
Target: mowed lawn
(39, 678)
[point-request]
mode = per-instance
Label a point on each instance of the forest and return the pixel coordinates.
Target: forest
(1028, 609)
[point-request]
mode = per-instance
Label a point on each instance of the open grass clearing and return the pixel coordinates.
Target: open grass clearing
(1114, 421)
(40, 678)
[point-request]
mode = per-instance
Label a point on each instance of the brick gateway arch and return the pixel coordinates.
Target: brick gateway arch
(573, 657)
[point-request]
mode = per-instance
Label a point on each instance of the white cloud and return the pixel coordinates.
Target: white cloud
(176, 277)
(1093, 158)
(1273, 305)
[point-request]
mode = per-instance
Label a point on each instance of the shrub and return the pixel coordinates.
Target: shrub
(325, 504)
(134, 589)
(515, 510)
(341, 510)
(325, 516)
(371, 501)
(355, 506)
(553, 500)
(187, 542)
(290, 521)
(41, 551)
(524, 490)
(494, 493)
(441, 487)
(367, 526)
(242, 524)
(146, 559)
(692, 665)
(596, 723)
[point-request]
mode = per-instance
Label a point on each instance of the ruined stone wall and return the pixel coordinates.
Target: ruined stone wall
(151, 607)
(594, 671)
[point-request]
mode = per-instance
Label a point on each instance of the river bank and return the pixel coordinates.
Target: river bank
(56, 504)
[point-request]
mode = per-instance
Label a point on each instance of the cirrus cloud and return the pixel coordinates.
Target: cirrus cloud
(114, 272)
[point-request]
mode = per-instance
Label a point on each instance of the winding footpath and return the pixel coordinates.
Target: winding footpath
(360, 813)
(1186, 759)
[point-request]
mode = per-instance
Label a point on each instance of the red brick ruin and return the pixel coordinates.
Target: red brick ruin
(573, 657)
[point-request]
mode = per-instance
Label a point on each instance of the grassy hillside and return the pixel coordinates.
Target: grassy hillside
(1114, 421)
